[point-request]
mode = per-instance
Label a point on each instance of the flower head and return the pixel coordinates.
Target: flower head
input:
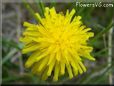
(57, 44)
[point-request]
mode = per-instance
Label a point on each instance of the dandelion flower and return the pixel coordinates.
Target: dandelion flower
(57, 44)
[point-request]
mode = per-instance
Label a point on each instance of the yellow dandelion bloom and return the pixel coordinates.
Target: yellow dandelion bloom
(57, 44)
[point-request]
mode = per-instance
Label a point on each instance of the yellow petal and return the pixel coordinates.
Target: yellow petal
(52, 12)
(51, 58)
(27, 24)
(79, 68)
(43, 64)
(39, 17)
(44, 74)
(62, 64)
(56, 71)
(51, 66)
(83, 67)
(31, 48)
(69, 71)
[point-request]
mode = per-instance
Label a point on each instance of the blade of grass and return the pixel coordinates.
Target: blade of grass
(41, 6)
(100, 52)
(110, 54)
(11, 43)
(102, 32)
(103, 71)
(53, 3)
(10, 79)
(30, 10)
(15, 78)
(9, 55)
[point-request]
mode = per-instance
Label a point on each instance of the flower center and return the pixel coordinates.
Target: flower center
(61, 42)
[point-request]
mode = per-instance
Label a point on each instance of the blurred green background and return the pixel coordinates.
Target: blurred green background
(100, 19)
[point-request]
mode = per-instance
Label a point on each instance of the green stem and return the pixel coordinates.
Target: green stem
(30, 10)
(41, 6)
(110, 54)
(102, 32)
(53, 3)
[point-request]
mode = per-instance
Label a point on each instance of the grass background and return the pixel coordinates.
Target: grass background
(100, 19)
